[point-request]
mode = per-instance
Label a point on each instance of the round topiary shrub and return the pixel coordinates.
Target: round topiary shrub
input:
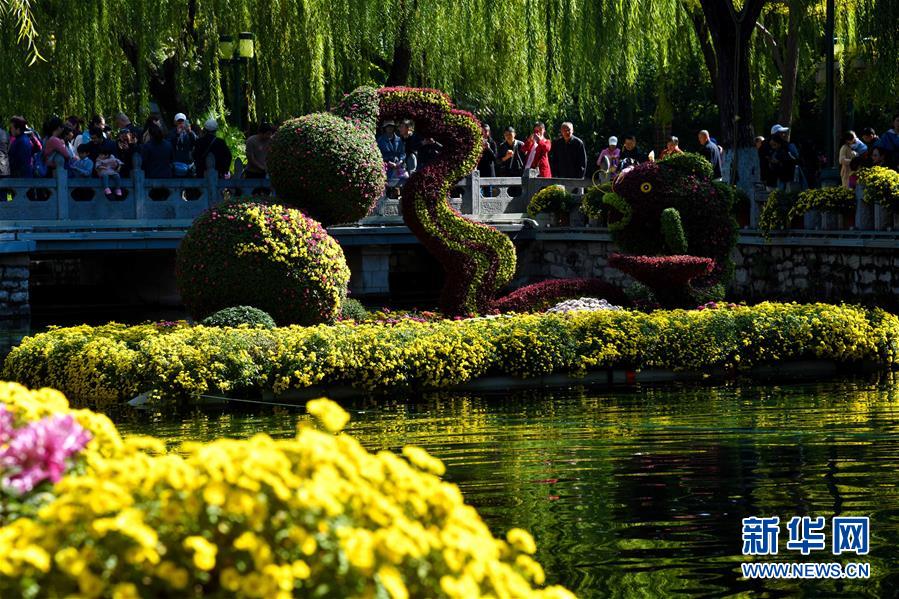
(554, 198)
(328, 166)
(268, 256)
(240, 315)
(353, 310)
(690, 163)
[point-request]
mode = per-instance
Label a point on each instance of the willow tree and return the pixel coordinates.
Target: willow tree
(532, 57)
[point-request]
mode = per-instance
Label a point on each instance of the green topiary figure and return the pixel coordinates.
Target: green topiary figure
(642, 194)
(673, 232)
(240, 315)
(268, 256)
(328, 165)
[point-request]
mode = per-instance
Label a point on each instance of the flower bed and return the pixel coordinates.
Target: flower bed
(314, 515)
(116, 362)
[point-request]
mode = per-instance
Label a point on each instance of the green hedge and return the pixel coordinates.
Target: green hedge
(115, 362)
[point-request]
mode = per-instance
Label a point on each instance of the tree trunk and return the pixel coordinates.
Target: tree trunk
(731, 33)
(402, 61)
(790, 64)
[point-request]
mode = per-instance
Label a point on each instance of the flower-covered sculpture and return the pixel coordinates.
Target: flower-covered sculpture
(267, 256)
(477, 259)
(328, 164)
(673, 208)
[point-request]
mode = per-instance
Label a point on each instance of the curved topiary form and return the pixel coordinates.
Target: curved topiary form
(240, 315)
(329, 165)
(643, 193)
(477, 258)
(268, 256)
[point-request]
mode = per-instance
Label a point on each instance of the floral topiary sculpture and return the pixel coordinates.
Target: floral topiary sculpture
(478, 259)
(673, 208)
(267, 256)
(328, 164)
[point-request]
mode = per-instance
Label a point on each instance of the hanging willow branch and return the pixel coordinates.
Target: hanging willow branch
(18, 12)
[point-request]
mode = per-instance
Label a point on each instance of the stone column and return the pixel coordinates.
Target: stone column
(15, 270)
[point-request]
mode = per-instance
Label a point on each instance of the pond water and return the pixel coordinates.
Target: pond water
(641, 493)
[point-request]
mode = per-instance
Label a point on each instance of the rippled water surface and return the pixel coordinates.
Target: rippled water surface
(641, 493)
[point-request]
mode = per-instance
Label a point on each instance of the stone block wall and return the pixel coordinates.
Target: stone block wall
(14, 276)
(772, 271)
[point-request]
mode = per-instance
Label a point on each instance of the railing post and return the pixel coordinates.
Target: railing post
(864, 212)
(212, 182)
(139, 189)
(759, 197)
(62, 188)
(471, 194)
(529, 184)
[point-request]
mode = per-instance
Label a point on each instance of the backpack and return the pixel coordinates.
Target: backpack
(40, 166)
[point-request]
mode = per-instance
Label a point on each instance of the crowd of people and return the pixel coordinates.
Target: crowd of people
(404, 151)
(97, 150)
(784, 163)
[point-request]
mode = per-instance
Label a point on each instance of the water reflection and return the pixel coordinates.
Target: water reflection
(634, 494)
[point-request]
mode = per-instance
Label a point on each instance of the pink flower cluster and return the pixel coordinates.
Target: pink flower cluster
(38, 451)
(540, 296)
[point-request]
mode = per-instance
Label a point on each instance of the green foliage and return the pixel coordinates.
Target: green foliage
(673, 232)
(554, 198)
(267, 256)
(690, 163)
(775, 214)
(643, 193)
(881, 186)
(327, 166)
(834, 199)
(592, 203)
(619, 211)
(353, 309)
(240, 315)
(187, 361)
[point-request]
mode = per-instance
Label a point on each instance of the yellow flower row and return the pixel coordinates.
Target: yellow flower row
(116, 362)
(314, 515)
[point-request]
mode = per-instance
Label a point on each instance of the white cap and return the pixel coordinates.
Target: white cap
(778, 129)
(180, 117)
(613, 141)
(211, 125)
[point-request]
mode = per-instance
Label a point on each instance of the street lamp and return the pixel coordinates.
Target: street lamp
(236, 56)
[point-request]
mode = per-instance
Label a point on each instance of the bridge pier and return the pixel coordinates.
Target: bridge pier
(15, 271)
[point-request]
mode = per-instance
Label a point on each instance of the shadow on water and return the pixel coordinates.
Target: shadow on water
(641, 493)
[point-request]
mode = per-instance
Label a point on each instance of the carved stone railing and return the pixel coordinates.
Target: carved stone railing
(61, 202)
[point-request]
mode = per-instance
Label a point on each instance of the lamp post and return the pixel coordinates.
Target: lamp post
(236, 56)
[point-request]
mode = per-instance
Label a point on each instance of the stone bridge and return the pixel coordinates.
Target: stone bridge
(65, 219)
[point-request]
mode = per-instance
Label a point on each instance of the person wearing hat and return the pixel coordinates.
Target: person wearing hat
(782, 157)
(609, 157)
(210, 144)
(509, 157)
(183, 141)
(393, 152)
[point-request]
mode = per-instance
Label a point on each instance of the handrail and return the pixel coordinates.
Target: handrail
(61, 201)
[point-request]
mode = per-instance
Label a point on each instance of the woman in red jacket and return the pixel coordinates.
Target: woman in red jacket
(536, 151)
